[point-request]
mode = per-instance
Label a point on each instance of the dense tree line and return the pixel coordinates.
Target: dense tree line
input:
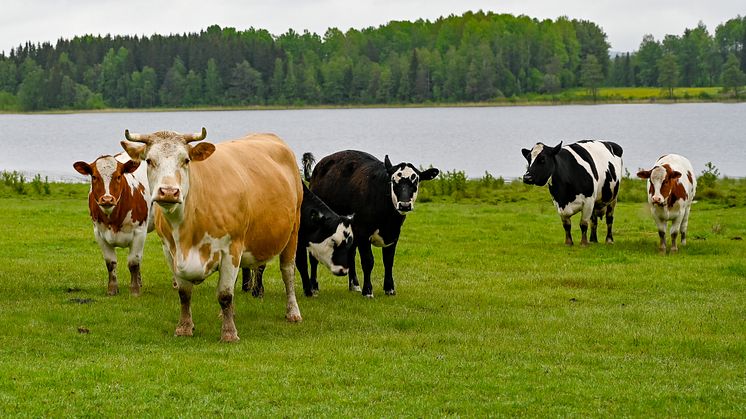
(473, 57)
(694, 59)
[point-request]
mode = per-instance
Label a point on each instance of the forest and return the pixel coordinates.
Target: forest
(474, 57)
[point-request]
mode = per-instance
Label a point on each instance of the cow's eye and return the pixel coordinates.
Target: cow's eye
(413, 178)
(186, 161)
(93, 177)
(148, 162)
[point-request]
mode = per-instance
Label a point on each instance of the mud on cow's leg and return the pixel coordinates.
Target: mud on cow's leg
(594, 227)
(583, 233)
(113, 286)
(135, 278)
(226, 284)
(186, 325)
(662, 246)
(292, 312)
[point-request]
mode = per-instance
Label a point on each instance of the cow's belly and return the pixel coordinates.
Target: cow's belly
(197, 262)
(122, 238)
(573, 207)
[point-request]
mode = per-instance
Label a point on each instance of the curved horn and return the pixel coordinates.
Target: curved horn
(138, 138)
(196, 137)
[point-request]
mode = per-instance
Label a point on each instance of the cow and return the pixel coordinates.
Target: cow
(671, 188)
(583, 177)
(220, 208)
(119, 206)
(326, 236)
(380, 195)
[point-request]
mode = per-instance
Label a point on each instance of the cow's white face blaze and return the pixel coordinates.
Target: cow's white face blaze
(107, 180)
(324, 251)
(168, 156)
(405, 182)
(661, 182)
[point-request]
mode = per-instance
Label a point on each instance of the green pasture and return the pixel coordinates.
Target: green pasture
(494, 316)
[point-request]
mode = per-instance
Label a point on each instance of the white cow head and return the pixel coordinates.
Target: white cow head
(405, 182)
(662, 181)
(167, 155)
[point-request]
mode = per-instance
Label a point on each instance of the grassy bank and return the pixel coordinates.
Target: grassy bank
(494, 316)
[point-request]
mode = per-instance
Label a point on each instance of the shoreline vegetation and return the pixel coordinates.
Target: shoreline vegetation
(605, 96)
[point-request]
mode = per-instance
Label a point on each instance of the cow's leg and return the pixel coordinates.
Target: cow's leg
(257, 289)
(186, 325)
(366, 263)
(594, 225)
(301, 263)
(287, 268)
(246, 279)
(226, 284)
(662, 234)
(675, 228)
(610, 221)
(586, 214)
(110, 257)
(685, 225)
(314, 271)
(567, 225)
(134, 260)
(353, 283)
(388, 266)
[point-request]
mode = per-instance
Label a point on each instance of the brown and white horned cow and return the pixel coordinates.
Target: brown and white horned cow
(119, 204)
(222, 207)
(671, 189)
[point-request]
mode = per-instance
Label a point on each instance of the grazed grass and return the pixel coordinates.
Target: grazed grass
(494, 316)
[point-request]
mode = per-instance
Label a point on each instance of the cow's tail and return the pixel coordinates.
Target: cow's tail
(308, 161)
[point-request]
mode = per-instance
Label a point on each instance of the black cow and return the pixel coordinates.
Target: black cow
(324, 234)
(380, 195)
(583, 177)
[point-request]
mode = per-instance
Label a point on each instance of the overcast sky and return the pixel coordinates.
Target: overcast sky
(624, 21)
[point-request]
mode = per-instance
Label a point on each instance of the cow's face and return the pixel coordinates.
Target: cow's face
(167, 155)
(540, 163)
(405, 183)
(661, 181)
(107, 180)
(332, 249)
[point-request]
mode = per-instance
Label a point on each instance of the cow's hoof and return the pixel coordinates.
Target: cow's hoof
(294, 317)
(112, 290)
(609, 241)
(135, 292)
(185, 330)
(674, 250)
(390, 292)
(368, 295)
(355, 288)
(314, 293)
(229, 337)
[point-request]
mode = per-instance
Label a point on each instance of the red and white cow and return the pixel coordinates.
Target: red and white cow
(119, 204)
(671, 188)
(220, 208)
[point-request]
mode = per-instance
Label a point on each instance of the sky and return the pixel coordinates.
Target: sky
(624, 21)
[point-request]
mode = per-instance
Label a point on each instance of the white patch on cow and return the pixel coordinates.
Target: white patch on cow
(323, 251)
(538, 148)
(377, 240)
(188, 264)
(573, 207)
(657, 176)
(106, 167)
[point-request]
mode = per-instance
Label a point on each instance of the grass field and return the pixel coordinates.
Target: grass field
(494, 316)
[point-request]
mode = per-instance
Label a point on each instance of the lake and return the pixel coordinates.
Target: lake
(474, 140)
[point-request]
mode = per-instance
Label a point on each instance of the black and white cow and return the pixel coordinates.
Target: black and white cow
(380, 195)
(583, 177)
(324, 234)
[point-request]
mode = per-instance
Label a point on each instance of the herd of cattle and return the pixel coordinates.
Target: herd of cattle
(238, 204)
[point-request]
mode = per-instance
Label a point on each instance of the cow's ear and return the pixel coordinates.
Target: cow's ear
(429, 174)
(674, 175)
(388, 165)
(130, 166)
(134, 150)
(201, 151)
(527, 154)
(555, 150)
(643, 174)
(83, 168)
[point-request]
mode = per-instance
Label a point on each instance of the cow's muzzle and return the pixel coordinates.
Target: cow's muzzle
(528, 179)
(339, 271)
(107, 202)
(405, 206)
(168, 195)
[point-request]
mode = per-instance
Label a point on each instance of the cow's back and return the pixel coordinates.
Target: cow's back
(602, 161)
(352, 182)
(249, 190)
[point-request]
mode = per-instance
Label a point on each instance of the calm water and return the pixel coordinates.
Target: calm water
(471, 139)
